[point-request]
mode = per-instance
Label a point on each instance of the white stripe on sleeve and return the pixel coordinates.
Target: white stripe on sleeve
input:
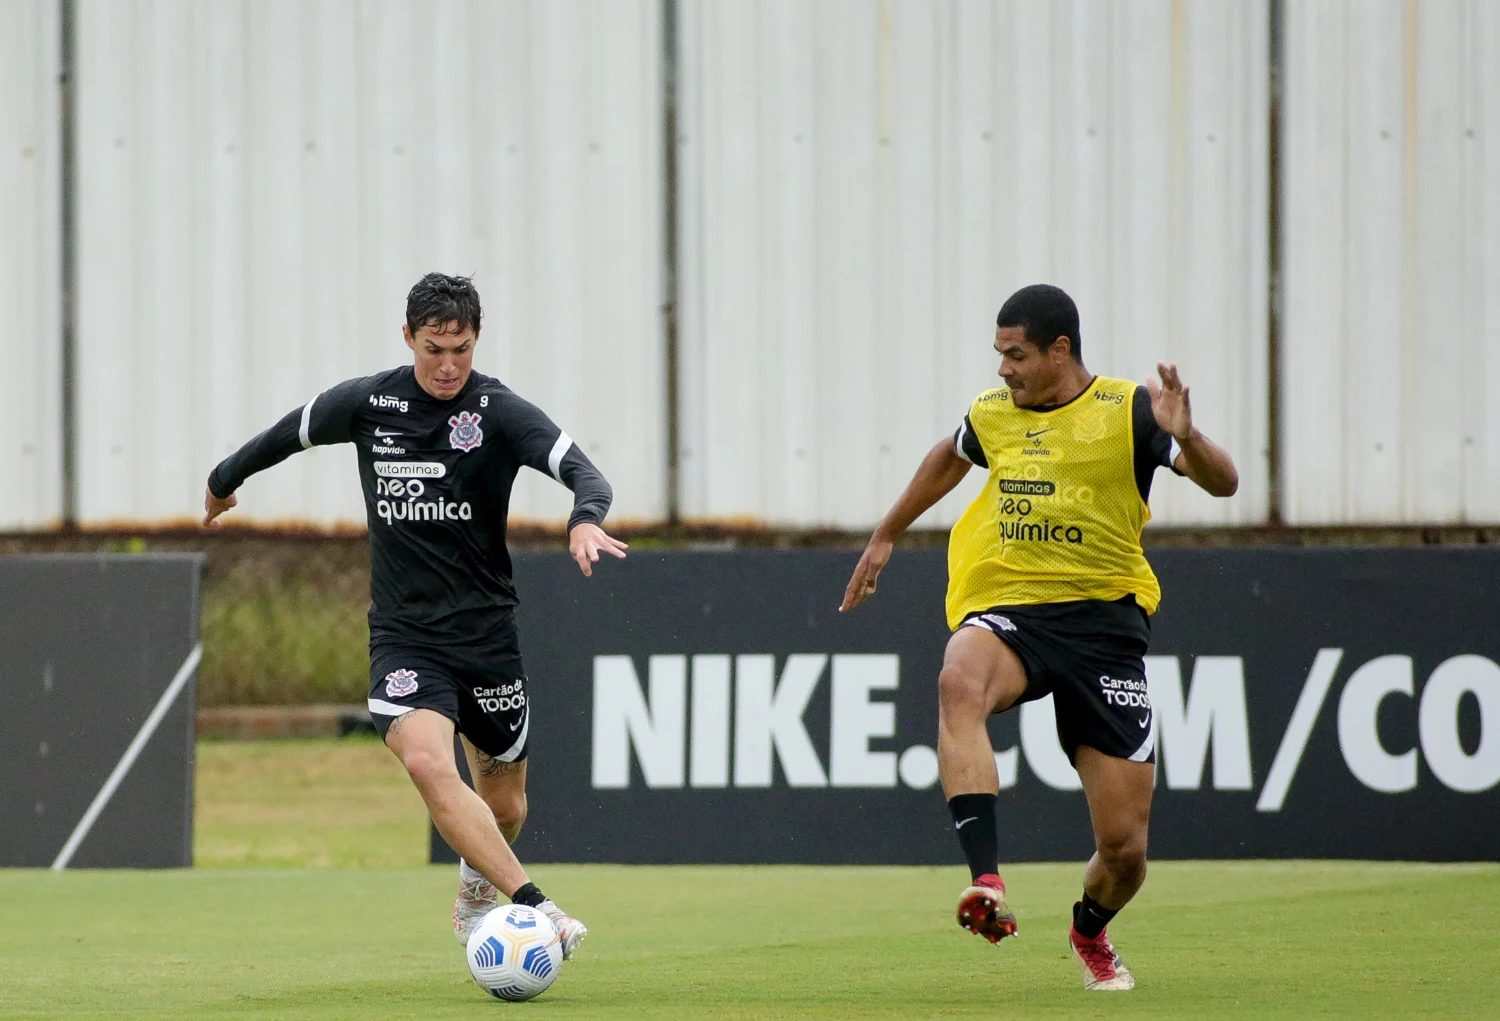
(304, 433)
(384, 708)
(1172, 452)
(958, 441)
(559, 451)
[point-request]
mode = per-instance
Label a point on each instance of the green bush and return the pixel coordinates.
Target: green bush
(284, 624)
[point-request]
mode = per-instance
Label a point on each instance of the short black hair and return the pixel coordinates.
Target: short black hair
(1045, 313)
(439, 299)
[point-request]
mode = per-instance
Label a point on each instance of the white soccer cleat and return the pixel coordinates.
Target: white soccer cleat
(477, 897)
(570, 931)
(1102, 968)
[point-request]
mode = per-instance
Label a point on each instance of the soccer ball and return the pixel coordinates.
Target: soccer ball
(514, 952)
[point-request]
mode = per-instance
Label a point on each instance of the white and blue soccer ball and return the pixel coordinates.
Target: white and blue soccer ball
(514, 952)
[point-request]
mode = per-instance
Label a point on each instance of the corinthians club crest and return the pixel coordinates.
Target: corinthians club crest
(399, 683)
(466, 434)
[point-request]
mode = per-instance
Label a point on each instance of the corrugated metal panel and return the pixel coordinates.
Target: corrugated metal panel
(30, 265)
(262, 181)
(864, 183)
(1391, 233)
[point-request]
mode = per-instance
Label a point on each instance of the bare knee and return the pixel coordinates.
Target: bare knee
(961, 693)
(1124, 857)
(428, 769)
(509, 810)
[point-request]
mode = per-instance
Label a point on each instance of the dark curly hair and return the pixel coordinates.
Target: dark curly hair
(439, 300)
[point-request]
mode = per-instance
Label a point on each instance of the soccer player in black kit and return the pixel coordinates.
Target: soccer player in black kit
(439, 448)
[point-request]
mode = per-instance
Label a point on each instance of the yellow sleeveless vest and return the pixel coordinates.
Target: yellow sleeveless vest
(1060, 518)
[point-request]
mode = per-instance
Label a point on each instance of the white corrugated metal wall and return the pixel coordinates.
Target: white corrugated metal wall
(1391, 239)
(863, 183)
(261, 181)
(30, 265)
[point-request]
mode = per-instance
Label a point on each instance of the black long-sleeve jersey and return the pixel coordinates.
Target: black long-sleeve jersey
(437, 478)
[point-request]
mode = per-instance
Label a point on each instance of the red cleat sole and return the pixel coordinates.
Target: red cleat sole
(983, 911)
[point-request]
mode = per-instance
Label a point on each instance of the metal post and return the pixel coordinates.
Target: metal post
(68, 96)
(1276, 290)
(669, 255)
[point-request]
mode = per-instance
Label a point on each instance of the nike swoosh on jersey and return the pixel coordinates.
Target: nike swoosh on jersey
(386, 432)
(1142, 723)
(1033, 435)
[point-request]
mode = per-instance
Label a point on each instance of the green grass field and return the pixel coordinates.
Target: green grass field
(366, 935)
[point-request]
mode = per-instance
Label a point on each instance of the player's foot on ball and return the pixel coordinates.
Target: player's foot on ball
(983, 911)
(570, 931)
(477, 897)
(1102, 967)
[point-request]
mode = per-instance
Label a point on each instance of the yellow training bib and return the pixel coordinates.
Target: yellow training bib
(1060, 518)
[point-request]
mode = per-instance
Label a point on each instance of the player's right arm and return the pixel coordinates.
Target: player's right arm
(327, 418)
(941, 470)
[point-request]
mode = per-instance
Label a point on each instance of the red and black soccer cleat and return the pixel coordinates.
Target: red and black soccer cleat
(983, 911)
(1102, 968)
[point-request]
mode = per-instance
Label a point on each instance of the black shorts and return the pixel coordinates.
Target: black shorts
(480, 686)
(1090, 657)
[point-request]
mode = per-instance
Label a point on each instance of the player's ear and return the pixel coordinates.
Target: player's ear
(411, 341)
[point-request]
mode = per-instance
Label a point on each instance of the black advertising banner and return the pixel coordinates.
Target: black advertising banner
(97, 665)
(715, 707)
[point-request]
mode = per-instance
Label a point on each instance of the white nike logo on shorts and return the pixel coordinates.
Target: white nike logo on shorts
(1142, 723)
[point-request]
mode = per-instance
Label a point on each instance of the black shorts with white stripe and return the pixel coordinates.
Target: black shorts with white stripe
(481, 687)
(1089, 655)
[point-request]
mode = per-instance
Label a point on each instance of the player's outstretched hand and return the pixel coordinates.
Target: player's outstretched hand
(1169, 402)
(586, 541)
(213, 506)
(862, 586)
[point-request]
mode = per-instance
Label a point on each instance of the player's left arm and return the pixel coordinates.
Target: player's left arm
(1198, 457)
(542, 445)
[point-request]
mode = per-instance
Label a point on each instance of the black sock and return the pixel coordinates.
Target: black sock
(1090, 917)
(974, 822)
(528, 895)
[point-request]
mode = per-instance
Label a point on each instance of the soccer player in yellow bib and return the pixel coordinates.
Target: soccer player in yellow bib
(1049, 592)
